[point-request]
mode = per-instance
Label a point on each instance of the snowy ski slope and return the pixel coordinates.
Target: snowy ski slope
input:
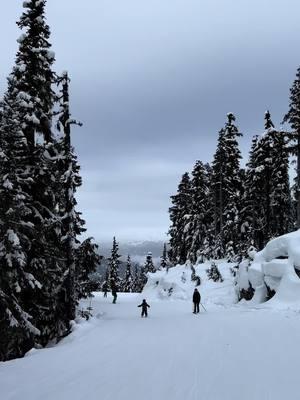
(230, 352)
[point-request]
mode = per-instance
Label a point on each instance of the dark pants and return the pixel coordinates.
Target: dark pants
(144, 312)
(105, 294)
(196, 308)
(115, 299)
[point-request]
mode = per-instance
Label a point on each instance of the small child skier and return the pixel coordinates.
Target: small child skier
(144, 306)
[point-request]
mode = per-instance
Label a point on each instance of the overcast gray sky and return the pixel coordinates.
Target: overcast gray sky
(152, 82)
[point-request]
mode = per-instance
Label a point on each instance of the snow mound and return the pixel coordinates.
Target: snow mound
(177, 284)
(274, 270)
(174, 284)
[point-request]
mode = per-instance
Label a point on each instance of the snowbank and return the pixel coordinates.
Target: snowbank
(176, 284)
(274, 270)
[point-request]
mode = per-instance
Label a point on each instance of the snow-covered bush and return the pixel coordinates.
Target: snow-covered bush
(213, 273)
(194, 277)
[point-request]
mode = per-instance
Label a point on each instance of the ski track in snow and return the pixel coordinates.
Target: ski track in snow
(232, 353)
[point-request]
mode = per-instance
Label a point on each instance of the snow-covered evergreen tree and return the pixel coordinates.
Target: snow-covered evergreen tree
(164, 258)
(86, 259)
(30, 90)
(114, 262)
(250, 222)
(226, 189)
(137, 279)
(31, 81)
(293, 118)
(69, 180)
(38, 176)
(180, 212)
(200, 218)
(33, 72)
(267, 208)
(142, 277)
(149, 266)
(128, 281)
(281, 201)
(213, 273)
(16, 325)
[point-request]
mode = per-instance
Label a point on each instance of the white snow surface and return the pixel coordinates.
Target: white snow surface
(231, 352)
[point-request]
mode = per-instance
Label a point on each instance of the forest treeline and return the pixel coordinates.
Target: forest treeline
(135, 276)
(221, 210)
(44, 266)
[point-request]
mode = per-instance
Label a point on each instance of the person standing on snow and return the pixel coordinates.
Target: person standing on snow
(114, 294)
(105, 289)
(196, 301)
(144, 306)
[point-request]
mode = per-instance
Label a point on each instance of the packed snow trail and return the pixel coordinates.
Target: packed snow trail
(228, 353)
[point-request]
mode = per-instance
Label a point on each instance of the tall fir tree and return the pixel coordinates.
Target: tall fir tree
(164, 258)
(114, 262)
(142, 278)
(69, 180)
(267, 208)
(250, 216)
(137, 279)
(40, 176)
(180, 213)
(33, 74)
(200, 218)
(30, 89)
(280, 198)
(32, 79)
(226, 189)
(127, 285)
(293, 118)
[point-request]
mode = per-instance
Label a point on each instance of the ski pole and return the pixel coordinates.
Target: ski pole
(203, 307)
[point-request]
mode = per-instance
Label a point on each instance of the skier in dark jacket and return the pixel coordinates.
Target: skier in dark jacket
(196, 301)
(144, 306)
(114, 294)
(105, 289)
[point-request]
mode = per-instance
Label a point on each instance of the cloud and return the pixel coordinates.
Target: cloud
(152, 83)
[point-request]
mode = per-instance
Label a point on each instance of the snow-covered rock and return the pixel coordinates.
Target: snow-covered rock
(275, 267)
(174, 284)
(256, 277)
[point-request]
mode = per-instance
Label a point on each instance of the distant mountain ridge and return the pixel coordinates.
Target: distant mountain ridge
(136, 249)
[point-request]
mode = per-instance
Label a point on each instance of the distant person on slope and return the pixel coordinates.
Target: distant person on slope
(196, 301)
(114, 294)
(105, 289)
(144, 306)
